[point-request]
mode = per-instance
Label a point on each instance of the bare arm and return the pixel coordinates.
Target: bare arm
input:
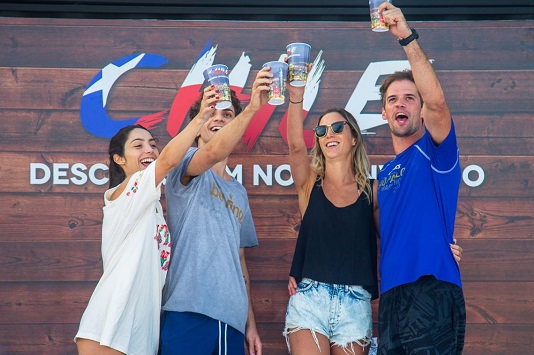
(435, 112)
(175, 150)
(303, 175)
(224, 142)
(252, 338)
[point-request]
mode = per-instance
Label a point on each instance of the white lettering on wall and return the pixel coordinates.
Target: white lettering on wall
(237, 173)
(79, 174)
(41, 173)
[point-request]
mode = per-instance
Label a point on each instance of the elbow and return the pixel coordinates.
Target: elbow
(212, 155)
(437, 104)
(296, 148)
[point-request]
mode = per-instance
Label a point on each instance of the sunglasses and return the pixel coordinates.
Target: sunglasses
(336, 127)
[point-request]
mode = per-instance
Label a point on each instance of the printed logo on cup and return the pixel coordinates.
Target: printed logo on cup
(298, 57)
(217, 75)
(277, 90)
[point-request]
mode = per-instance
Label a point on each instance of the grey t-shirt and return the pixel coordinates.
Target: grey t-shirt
(209, 220)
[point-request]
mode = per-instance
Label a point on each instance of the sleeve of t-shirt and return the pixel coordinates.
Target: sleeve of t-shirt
(140, 192)
(445, 156)
(175, 176)
(248, 237)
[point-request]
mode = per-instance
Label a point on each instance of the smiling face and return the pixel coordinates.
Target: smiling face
(218, 120)
(139, 151)
(336, 144)
(402, 109)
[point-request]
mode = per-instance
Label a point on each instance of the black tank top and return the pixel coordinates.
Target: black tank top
(337, 244)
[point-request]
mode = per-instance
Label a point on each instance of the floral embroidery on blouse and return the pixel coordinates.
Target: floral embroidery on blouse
(135, 186)
(163, 238)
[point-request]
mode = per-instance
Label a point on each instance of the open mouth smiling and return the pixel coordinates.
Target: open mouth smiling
(332, 144)
(146, 162)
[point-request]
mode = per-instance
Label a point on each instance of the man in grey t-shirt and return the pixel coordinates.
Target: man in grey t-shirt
(206, 300)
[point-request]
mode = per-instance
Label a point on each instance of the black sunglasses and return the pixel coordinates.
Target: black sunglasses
(336, 127)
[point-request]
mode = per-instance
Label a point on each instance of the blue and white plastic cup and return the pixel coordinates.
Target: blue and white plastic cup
(217, 75)
(277, 90)
(298, 58)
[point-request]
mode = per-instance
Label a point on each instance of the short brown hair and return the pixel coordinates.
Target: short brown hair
(195, 107)
(396, 76)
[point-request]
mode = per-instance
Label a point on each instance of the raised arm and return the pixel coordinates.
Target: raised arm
(303, 176)
(224, 141)
(175, 150)
(436, 114)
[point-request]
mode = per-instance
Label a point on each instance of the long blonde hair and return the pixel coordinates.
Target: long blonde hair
(360, 160)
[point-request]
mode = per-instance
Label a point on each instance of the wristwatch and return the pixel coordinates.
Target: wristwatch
(405, 41)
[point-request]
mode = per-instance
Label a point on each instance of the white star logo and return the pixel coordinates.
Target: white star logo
(110, 74)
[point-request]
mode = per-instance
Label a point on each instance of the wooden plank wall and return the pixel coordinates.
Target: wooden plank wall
(50, 234)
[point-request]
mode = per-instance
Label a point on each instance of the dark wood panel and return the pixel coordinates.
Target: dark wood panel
(64, 302)
(491, 339)
(504, 304)
(498, 260)
(50, 261)
(496, 91)
(79, 217)
(499, 302)
(44, 302)
(498, 133)
(54, 309)
(481, 339)
(494, 218)
(51, 217)
(45, 339)
(49, 272)
(83, 43)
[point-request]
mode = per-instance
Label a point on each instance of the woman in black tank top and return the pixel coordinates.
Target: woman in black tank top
(335, 259)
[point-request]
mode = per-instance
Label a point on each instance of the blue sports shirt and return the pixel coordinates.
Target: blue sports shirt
(418, 196)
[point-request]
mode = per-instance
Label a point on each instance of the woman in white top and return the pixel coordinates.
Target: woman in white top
(122, 316)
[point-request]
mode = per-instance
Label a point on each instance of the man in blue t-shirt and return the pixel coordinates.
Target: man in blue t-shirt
(422, 306)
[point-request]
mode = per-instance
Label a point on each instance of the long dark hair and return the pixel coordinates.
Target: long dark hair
(116, 146)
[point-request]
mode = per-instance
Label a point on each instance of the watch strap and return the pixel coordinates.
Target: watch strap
(405, 41)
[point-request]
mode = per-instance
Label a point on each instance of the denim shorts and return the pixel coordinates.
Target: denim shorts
(341, 313)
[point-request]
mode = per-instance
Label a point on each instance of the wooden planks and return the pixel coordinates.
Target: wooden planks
(50, 233)
(43, 317)
(31, 261)
(488, 91)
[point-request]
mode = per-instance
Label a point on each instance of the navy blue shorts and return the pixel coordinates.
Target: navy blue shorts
(423, 317)
(186, 333)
